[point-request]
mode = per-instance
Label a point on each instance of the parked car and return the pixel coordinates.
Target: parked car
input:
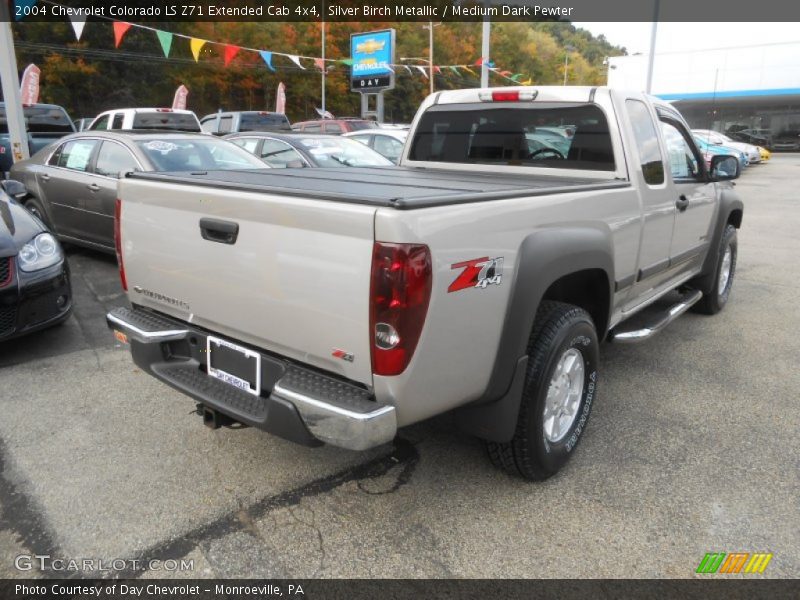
(44, 123)
(386, 142)
(72, 184)
(757, 137)
(82, 124)
(334, 126)
(34, 277)
(786, 141)
(720, 139)
(308, 150)
(337, 305)
(233, 122)
(167, 119)
(710, 151)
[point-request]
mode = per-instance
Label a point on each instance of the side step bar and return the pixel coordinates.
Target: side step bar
(645, 333)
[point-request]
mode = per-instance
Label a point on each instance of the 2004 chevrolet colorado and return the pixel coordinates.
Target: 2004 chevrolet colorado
(336, 305)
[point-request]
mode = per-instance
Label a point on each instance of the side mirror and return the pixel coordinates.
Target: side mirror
(724, 168)
(14, 188)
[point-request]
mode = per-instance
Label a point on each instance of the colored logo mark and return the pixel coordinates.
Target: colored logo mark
(735, 562)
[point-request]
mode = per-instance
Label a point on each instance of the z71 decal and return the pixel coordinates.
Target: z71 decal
(477, 273)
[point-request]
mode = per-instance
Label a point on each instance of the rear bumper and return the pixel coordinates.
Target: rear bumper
(296, 403)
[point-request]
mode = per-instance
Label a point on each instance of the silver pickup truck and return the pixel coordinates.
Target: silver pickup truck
(522, 227)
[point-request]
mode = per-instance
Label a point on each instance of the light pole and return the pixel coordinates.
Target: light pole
(430, 27)
(651, 59)
(567, 50)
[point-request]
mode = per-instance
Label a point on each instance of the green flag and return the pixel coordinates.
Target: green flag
(165, 37)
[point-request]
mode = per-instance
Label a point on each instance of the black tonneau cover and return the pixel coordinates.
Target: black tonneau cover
(395, 187)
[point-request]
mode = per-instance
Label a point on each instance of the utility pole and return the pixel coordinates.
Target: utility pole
(430, 27)
(652, 57)
(324, 64)
(567, 50)
(10, 84)
(485, 53)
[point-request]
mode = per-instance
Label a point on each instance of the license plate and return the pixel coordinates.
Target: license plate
(233, 364)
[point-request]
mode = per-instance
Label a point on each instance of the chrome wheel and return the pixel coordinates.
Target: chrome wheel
(563, 396)
(725, 271)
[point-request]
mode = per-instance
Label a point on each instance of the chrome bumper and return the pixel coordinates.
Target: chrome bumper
(334, 411)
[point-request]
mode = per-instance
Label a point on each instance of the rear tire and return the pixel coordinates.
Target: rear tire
(560, 388)
(718, 288)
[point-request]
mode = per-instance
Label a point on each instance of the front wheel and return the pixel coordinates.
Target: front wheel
(35, 208)
(560, 388)
(718, 288)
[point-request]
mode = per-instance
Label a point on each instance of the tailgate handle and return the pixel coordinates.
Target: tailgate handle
(214, 230)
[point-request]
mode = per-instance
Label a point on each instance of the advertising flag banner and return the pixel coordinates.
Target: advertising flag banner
(29, 88)
(179, 101)
(280, 99)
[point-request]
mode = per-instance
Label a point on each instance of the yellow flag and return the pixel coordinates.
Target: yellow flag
(196, 46)
(527, 82)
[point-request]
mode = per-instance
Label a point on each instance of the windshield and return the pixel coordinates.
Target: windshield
(197, 155)
(341, 152)
(170, 121)
(41, 119)
(263, 121)
(547, 135)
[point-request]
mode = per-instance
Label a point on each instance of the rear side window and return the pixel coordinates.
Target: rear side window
(41, 119)
(76, 154)
(646, 142)
(225, 124)
(332, 128)
(263, 122)
(101, 124)
(118, 119)
(168, 121)
(547, 135)
(249, 144)
(312, 128)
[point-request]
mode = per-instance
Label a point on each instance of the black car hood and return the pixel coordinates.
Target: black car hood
(17, 226)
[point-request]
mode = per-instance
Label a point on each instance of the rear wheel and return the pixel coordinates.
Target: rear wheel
(560, 387)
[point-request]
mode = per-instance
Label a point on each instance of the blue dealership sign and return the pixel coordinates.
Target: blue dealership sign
(373, 55)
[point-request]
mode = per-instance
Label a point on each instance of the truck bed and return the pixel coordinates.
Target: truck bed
(396, 187)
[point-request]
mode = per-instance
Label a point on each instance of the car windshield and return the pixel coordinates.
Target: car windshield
(197, 154)
(41, 119)
(170, 121)
(263, 121)
(341, 152)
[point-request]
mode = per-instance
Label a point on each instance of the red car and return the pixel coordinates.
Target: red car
(334, 126)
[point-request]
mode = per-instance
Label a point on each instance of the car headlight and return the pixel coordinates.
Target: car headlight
(41, 252)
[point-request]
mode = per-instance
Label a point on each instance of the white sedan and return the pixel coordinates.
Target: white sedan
(388, 142)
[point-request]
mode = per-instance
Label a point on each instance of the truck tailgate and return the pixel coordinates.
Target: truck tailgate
(295, 281)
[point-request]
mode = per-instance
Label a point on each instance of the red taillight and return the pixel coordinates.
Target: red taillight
(512, 96)
(399, 292)
(118, 242)
(163, 110)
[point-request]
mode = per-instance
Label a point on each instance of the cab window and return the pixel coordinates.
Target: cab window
(113, 158)
(683, 164)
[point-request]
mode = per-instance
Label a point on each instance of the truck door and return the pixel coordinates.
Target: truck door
(694, 197)
(657, 204)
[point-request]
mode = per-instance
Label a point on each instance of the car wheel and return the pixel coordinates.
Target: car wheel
(718, 288)
(35, 208)
(560, 388)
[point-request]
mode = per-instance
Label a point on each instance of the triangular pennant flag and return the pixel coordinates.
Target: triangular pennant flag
(78, 23)
(436, 69)
(230, 53)
(165, 37)
(454, 69)
(120, 29)
(347, 61)
(516, 76)
(527, 82)
(295, 59)
(491, 64)
(505, 73)
(407, 68)
(319, 63)
(422, 70)
(466, 68)
(267, 56)
(196, 45)
(478, 62)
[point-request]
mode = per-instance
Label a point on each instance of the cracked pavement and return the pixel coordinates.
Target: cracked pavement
(692, 448)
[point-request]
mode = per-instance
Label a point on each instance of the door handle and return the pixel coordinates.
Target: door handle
(93, 187)
(45, 176)
(682, 203)
(215, 230)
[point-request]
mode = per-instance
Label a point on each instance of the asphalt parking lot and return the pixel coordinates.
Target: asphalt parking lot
(692, 448)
